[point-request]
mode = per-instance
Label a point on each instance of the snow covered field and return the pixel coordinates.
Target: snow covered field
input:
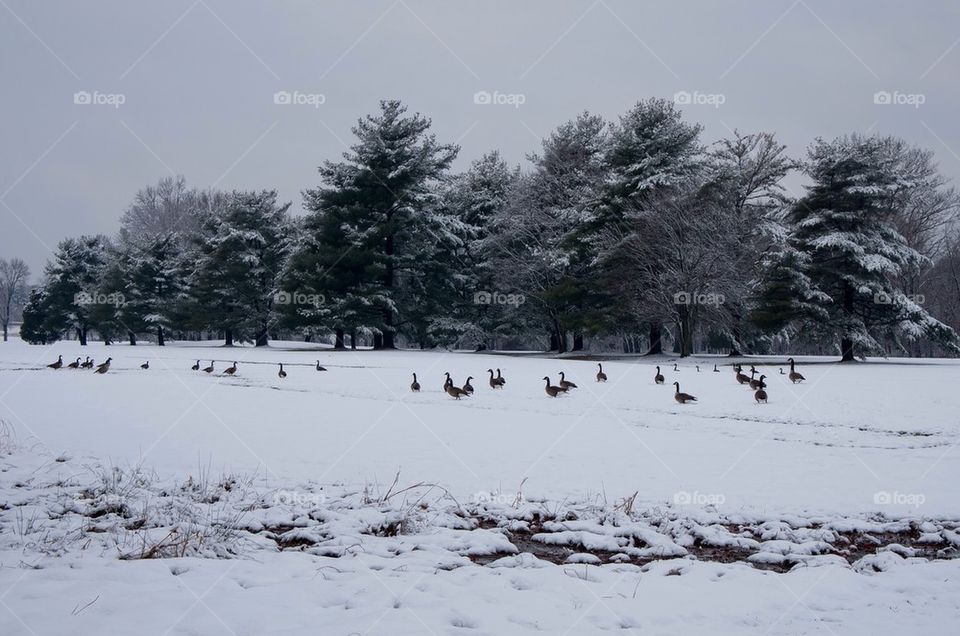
(759, 504)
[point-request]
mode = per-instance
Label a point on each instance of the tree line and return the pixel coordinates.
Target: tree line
(631, 234)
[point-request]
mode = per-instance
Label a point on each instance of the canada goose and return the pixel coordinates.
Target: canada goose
(675, 369)
(57, 364)
(698, 368)
(566, 384)
(467, 387)
(601, 376)
(741, 378)
(231, 370)
(761, 395)
(794, 376)
(87, 364)
(454, 391)
(494, 383)
(103, 368)
(208, 369)
(282, 374)
(552, 390)
(682, 398)
(75, 364)
(448, 381)
(196, 367)
(415, 386)
(145, 365)
(658, 378)
(781, 370)
(319, 368)
(754, 384)
(715, 369)
(500, 379)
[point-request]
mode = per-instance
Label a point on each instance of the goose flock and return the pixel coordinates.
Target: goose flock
(755, 384)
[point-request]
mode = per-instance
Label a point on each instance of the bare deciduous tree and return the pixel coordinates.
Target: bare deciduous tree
(13, 290)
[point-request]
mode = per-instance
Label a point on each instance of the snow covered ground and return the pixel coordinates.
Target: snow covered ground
(410, 513)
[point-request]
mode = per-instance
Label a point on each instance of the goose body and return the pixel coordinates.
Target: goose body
(793, 375)
(500, 379)
(601, 376)
(75, 364)
(281, 374)
(454, 391)
(230, 370)
(553, 390)
(209, 369)
(754, 384)
(57, 364)
(761, 395)
(566, 384)
(196, 367)
(658, 379)
(415, 386)
(675, 369)
(448, 381)
(103, 368)
(715, 369)
(494, 382)
(319, 368)
(681, 397)
(741, 378)
(467, 387)
(145, 365)
(87, 364)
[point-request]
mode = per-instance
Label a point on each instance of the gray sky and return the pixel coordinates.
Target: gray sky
(198, 79)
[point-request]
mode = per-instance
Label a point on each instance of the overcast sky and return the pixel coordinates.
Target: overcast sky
(197, 81)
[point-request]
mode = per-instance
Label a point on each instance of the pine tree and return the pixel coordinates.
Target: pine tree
(242, 252)
(371, 219)
(72, 281)
(34, 328)
(850, 251)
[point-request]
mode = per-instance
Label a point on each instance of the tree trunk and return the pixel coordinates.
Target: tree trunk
(388, 342)
(82, 336)
(578, 342)
(262, 339)
(353, 339)
(132, 337)
(846, 350)
(554, 341)
(4, 332)
(160, 341)
(377, 341)
(338, 339)
(228, 338)
(656, 338)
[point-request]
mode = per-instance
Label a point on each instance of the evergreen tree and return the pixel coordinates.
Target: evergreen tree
(242, 252)
(849, 252)
(34, 328)
(371, 219)
(72, 281)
